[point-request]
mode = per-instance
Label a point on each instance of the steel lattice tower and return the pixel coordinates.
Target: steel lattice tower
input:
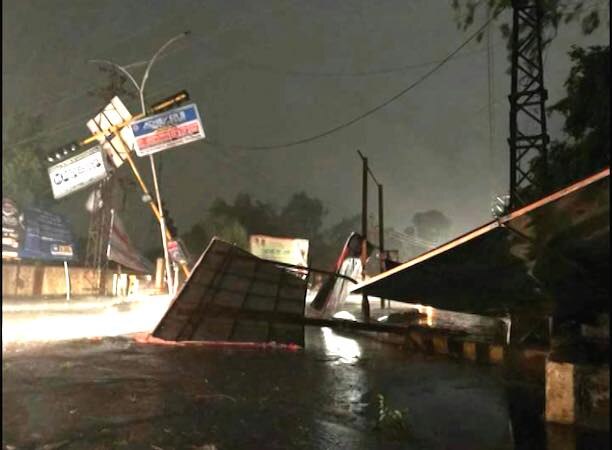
(528, 134)
(99, 225)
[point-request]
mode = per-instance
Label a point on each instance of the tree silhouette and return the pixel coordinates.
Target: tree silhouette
(24, 173)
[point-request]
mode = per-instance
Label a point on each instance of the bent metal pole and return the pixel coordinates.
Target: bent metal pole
(140, 88)
(128, 154)
(162, 220)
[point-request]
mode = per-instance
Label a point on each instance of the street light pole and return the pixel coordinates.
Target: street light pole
(140, 88)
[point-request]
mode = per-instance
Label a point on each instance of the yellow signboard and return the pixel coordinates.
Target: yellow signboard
(285, 250)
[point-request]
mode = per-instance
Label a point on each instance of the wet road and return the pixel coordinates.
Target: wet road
(115, 393)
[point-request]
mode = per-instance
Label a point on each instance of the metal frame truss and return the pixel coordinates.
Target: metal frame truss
(99, 225)
(528, 133)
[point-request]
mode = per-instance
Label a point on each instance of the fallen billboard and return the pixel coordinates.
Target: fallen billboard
(551, 255)
(234, 296)
(334, 290)
(121, 250)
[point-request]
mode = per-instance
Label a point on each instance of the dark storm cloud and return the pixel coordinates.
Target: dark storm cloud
(271, 72)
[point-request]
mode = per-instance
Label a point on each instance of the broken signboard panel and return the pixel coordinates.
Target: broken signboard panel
(234, 296)
(549, 256)
(334, 290)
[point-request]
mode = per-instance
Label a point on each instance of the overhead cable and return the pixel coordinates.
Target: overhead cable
(360, 116)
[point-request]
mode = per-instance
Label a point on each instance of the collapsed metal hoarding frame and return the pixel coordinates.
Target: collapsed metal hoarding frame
(233, 296)
(532, 228)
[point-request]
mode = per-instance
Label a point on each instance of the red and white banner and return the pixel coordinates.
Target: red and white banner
(179, 126)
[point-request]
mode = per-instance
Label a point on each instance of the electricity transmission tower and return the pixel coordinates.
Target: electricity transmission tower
(528, 134)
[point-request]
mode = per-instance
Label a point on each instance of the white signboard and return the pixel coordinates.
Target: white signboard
(169, 129)
(116, 145)
(286, 250)
(75, 173)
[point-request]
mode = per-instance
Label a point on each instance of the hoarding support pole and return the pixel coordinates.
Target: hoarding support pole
(151, 202)
(67, 275)
(162, 225)
(365, 305)
(140, 88)
(381, 236)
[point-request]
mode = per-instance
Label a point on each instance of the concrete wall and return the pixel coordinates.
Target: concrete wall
(36, 280)
(578, 394)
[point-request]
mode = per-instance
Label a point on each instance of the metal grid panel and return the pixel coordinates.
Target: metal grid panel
(232, 295)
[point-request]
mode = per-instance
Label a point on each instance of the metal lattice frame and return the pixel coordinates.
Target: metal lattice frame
(528, 134)
(99, 226)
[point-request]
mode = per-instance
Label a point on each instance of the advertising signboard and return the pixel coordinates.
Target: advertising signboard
(12, 229)
(47, 236)
(176, 252)
(119, 143)
(285, 250)
(169, 129)
(121, 250)
(75, 173)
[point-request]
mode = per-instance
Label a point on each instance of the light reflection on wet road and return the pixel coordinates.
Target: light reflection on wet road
(114, 393)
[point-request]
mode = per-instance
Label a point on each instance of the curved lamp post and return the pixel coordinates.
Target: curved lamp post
(140, 88)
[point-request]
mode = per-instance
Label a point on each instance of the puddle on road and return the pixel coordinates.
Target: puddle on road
(340, 349)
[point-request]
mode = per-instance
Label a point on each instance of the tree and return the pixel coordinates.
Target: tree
(302, 216)
(433, 226)
(255, 217)
(555, 13)
(24, 175)
(221, 226)
(586, 108)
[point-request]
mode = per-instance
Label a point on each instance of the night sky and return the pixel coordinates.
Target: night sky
(266, 73)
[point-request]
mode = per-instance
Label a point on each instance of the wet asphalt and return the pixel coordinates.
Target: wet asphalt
(115, 393)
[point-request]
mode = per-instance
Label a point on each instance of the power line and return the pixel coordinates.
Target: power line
(208, 141)
(491, 107)
(366, 73)
(73, 122)
(360, 116)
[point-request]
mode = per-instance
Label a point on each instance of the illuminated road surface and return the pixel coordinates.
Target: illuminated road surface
(114, 393)
(54, 321)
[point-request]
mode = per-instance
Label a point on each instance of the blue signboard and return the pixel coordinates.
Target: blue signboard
(12, 229)
(172, 128)
(46, 237)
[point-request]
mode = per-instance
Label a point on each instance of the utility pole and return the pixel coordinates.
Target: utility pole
(164, 104)
(365, 304)
(140, 88)
(381, 235)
